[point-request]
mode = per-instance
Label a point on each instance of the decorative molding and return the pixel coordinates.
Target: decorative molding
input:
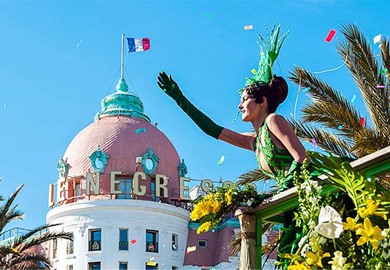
(99, 160)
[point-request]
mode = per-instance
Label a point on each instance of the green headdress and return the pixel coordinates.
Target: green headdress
(269, 51)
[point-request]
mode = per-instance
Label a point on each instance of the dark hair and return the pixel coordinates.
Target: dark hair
(276, 92)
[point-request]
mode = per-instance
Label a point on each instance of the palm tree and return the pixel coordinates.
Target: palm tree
(17, 252)
(331, 119)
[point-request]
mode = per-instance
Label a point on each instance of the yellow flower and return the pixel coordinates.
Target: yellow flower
(298, 266)
(369, 234)
(229, 197)
(316, 259)
(351, 224)
(371, 208)
(204, 227)
(338, 261)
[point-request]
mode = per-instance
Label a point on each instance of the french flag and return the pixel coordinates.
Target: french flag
(138, 44)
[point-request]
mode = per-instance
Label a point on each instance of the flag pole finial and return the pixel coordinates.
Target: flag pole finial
(123, 55)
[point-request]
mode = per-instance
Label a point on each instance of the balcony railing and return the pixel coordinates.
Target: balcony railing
(95, 245)
(123, 245)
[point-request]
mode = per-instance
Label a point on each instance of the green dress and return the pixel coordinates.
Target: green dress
(278, 160)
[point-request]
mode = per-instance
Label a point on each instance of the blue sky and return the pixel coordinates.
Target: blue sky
(58, 59)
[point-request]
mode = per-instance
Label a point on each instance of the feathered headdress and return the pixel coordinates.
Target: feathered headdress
(269, 51)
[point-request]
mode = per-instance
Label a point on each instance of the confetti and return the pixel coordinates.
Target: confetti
(353, 98)
(151, 263)
(78, 45)
(140, 130)
(133, 241)
(291, 114)
(362, 121)
(151, 259)
(340, 127)
(191, 249)
(254, 71)
(330, 35)
(306, 89)
(314, 143)
(377, 39)
(380, 86)
(384, 71)
(221, 160)
(248, 27)
(308, 95)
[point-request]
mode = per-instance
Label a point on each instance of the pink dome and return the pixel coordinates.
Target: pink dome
(123, 139)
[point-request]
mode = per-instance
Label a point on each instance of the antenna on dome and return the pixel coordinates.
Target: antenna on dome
(123, 55)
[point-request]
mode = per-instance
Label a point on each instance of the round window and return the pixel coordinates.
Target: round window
(149, 164)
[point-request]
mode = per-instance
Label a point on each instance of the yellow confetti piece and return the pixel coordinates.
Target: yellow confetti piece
(254, 71)
(191, 249)
(151, 263)
(248, 27)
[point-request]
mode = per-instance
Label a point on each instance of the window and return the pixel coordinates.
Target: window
(122, 265)
(55, 246)
(94, 266)
(153, 188)
(175, 240)
(151, 265)
(202, 243)
(175, 268)
(95, 240)
(77, 190)
(123, 239)
(125, 187)
(151, 241)
(69, 267)
(69, 246)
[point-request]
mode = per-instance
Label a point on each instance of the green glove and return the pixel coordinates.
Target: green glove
(289, 180)
(170, 87)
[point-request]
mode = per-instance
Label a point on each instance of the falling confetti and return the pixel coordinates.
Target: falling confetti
(78, 45)
(221, 160)
(133, 241)
(384, 71)
(254, 71)
(314, 143)
(353, 98)
(140, 130)
(248, 27)
(362, 121)
(191, 249)
(340, 127)
(377, 39)
(330, 35)
(306, 89)
(380, 86)
(151, 259)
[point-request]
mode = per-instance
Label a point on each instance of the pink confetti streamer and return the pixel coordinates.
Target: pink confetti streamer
(380, 86)
(330, 35)
(314, 143)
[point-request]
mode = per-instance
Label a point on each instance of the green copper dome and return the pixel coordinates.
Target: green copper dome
(122, 103)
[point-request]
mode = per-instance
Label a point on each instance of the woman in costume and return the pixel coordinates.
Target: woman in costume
(278, 150)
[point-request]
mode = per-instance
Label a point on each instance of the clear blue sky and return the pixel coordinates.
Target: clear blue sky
(58, 59)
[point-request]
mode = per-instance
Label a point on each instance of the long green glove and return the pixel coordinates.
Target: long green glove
(170, 87)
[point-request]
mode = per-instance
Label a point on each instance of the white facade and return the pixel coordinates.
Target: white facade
(109, 216)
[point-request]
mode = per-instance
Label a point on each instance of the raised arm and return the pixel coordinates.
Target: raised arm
(208, 126)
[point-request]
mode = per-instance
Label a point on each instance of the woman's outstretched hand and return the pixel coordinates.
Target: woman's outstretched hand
(169, 86)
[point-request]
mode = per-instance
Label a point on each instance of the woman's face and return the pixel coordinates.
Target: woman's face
(248, 107)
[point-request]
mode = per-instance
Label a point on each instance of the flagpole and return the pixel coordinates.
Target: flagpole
(122, 55)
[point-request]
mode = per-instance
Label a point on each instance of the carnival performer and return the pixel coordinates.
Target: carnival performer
(278, 150)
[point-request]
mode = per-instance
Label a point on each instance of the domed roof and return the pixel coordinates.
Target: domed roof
(121, 133)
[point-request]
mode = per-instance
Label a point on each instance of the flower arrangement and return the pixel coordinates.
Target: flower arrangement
(335, 235)
(211, 209)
